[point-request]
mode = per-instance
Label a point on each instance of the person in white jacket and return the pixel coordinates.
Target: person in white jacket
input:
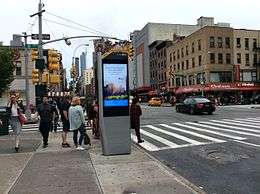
(77, 121)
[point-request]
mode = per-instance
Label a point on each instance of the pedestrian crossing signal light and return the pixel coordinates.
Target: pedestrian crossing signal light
(53, 60)
(35, 76)
(45, 77)
(131, 51)
(34, 54)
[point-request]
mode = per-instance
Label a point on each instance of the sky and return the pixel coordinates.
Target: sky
(115, 18)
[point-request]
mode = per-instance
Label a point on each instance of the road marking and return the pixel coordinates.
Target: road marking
(237, 124)
(209, 131)
(160, 139)
(148, 146)
(228, 126)
(251, 144)
(194, 134)
(249, 120)
(221, 129)
(174, 135)
(243, 122)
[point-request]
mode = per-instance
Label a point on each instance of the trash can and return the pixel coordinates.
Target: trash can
(4, 128)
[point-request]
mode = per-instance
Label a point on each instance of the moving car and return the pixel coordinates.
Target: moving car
(155, 101)
(256, 99)
(196, 105)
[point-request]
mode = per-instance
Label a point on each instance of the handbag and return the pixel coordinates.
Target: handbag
(22, 118)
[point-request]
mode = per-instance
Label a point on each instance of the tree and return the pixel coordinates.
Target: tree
(6, 69)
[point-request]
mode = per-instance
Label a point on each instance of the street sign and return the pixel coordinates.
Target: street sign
(44, 36)
(32, 46)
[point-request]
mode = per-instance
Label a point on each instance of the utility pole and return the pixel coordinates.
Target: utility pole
(27, 88)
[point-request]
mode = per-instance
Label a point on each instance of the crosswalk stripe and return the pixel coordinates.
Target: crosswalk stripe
(229, 126)
(237, 124)
(243, 122)
(160, 139)
(249, 120)
(194, 134)
(226, 130)
(148, 146)
(174, 135)
(209, 131)
(251, 144)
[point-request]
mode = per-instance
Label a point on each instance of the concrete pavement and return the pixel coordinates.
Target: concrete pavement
(65, 170)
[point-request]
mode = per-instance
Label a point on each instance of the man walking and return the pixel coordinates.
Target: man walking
(45, 110)
(135, 113)
(64, 110)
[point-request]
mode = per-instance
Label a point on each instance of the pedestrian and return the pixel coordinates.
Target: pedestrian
(64, 110)
(45, 111)
(135, 113)
(14, 111)
(77, 123)
(96, 121)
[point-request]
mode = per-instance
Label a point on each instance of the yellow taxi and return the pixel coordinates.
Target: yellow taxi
(155, 101)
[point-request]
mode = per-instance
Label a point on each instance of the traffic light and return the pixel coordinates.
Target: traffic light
(35, 76)
(54, 79)
(53, 60)
(34, 54)
(45, 77)
(130, 51)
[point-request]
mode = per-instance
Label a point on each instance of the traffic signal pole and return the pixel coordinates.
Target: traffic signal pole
(40, 29)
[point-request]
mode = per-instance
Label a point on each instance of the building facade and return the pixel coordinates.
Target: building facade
(151, 32)
(214, 55)
(83, 62)
(88, 76)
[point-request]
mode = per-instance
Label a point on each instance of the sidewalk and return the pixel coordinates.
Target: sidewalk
(66, 170)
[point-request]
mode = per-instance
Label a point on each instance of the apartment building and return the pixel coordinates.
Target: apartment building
(213, 55)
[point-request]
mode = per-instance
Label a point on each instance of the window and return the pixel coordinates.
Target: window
(178, 66)
(192, 47)
(18, 68)
(164, 76)
(200, 60)
(228, 58)
(182, 52)
(212, 58)
(164, 63)
(220, 58)
(238, 43)
(178, 54)
(187, 64)
(254, 43)
(190, 79)
(174, 58)
(246, 43)
(255, 60)
(223, 76)
(193, 62)
(220, 43)
(174, 67)
(170, 57)
(199, 45)
(227, 42)
(239, 58)
(182, 65)
(247, 59)
(247, 76)
(211, 42)
(187, 50)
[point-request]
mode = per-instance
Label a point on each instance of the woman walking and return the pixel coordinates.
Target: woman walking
(77, 120)
(14, 111)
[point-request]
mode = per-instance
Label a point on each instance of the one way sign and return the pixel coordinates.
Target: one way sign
(44, 36)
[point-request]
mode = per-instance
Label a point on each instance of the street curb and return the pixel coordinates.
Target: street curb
(180, 179)
(19, 176)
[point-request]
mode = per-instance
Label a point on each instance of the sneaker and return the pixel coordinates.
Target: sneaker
(45, 145)
(140, 141)
(80, 148)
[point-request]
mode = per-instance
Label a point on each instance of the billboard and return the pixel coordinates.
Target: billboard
(115, 85)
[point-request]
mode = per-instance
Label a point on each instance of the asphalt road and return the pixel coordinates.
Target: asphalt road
(219, 153)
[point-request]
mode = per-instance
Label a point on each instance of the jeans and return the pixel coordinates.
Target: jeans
(81, 130)
(44, 129)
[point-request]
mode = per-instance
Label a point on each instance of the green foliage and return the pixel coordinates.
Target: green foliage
(6, 69)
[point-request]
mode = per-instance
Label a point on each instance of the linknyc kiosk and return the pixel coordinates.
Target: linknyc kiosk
(113, 89)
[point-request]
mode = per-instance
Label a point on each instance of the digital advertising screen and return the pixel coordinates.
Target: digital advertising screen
(115, 85)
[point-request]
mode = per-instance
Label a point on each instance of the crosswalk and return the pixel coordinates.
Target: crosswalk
(187, 134)
(35, 127)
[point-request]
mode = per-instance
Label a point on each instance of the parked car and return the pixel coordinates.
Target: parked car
(256, 99)
(155, 101)
(196, 105)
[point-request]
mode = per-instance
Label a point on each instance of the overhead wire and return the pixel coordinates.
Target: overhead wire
(71, 21)
(69, 26)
